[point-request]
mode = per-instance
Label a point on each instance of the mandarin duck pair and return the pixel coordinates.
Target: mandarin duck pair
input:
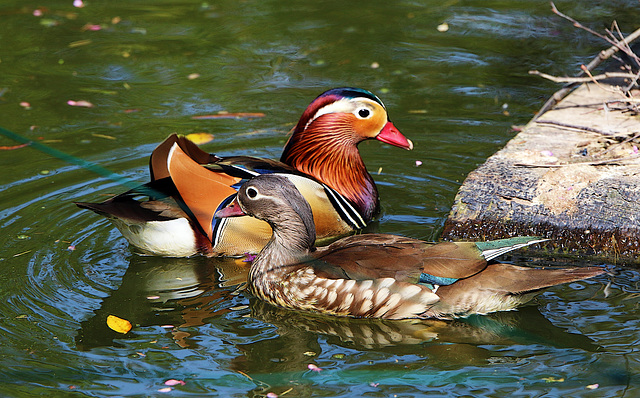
(320, 190)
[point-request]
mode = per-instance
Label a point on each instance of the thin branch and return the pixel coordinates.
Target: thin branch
(603, 76)
(575, 127)
(633, 137)
(622, 45)
(576, 23)
(596, 163)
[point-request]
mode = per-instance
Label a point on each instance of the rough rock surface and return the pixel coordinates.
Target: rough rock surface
(573, 176)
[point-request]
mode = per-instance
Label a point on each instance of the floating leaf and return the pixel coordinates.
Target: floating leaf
(118, 324)
(12, 147)
(79, 43)
(97, 90)
(443, 27)
(85, 104)
(92, 27)
(20, 254)
(226, 115)
(553, 379)
(48, 22)
(200, 138)
(108, 137)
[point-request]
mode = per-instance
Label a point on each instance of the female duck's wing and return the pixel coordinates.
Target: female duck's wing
(404, 259)
(412, 260)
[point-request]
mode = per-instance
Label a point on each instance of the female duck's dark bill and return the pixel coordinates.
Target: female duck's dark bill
(390, 135)
(233, 209)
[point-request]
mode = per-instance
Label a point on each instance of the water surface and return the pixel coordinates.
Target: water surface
(149, 67)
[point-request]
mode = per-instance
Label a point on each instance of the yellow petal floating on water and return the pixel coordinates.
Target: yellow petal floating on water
(118, 324)
(200, 138)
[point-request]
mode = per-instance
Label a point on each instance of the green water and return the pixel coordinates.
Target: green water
(149, 67)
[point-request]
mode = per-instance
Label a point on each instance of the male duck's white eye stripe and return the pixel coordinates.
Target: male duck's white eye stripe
(343, 105)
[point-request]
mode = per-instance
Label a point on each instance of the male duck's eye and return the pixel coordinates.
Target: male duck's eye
(252, 193)
(363, 113)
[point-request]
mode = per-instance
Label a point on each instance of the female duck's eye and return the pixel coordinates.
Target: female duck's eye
(252, 193)
(364, 113)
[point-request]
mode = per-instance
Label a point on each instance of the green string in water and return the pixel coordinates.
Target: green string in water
(127, 182)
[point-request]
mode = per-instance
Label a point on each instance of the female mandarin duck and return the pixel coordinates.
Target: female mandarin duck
(321, 158)
(380, 276)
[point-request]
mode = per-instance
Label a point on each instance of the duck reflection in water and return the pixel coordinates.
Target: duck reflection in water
(189, 293)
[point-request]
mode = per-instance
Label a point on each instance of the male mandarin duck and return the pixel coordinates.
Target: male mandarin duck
(378, 275)
(321, 158)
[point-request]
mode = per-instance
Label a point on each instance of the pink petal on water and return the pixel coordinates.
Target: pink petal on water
(314, 367)
(165, 389)
(92, 27)
(78, 3)
(81, 103)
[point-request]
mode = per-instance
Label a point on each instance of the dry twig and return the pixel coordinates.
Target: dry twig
(595, 163)
(575, 127)
(607, 75)
(617, 45)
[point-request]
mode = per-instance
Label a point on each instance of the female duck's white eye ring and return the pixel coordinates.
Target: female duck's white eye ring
(363, 113)
(252, 192)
